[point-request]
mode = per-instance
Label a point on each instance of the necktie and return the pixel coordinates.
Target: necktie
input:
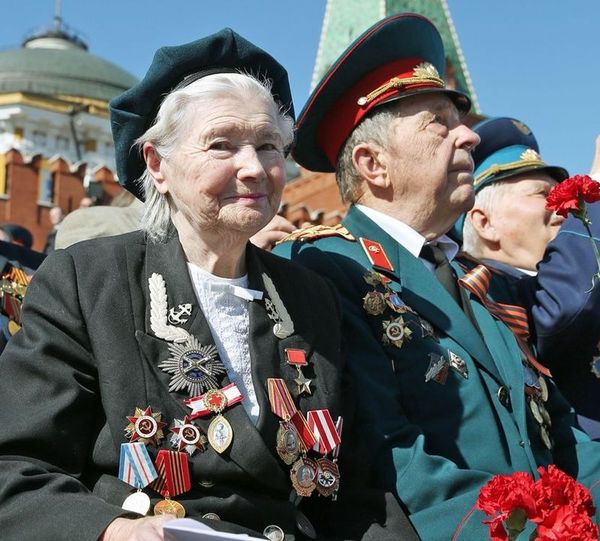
(477, 281)
(442, 269)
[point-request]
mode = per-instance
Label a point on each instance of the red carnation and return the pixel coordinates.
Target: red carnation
(565, 523)
(571, 194)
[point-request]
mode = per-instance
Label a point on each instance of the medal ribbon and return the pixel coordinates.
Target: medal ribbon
(301, 426)
(173, 473)
(339, 426)
(281, 401)
(321, 424)
(199, 409)
(135, 466)
(477, 281)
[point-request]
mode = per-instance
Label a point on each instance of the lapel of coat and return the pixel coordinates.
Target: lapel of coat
(249, 450)
(420, 290)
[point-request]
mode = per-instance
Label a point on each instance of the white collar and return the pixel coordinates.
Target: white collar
(405, 235)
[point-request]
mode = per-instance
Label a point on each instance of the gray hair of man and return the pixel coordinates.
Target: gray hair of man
(375, 128)
(172, 121)
(486, 199)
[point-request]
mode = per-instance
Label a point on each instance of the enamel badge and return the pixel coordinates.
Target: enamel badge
(194, 367)
(145, 426)
(187, 436)
(396, 332)
(437, 369)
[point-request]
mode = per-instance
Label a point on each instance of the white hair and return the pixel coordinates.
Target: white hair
(486, 199)
(373, 129)
(171, 122)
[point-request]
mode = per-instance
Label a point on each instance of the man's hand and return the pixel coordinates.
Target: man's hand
(273, 232)
(139, 529)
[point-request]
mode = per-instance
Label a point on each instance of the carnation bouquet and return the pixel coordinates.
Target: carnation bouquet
(560, 508)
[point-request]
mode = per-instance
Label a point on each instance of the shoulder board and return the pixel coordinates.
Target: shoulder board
(319, 231)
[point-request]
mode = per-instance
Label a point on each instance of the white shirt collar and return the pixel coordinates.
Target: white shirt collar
(405, 235)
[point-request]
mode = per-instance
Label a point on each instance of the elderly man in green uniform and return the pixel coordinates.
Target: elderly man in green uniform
(449, 394)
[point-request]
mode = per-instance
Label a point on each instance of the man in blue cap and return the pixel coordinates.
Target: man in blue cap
(450, 394)
(509, 228)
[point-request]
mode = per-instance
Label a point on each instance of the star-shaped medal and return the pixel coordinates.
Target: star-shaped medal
(396, 332)
(194, 367)
(303, 383)
(187, 436)
(145, 426)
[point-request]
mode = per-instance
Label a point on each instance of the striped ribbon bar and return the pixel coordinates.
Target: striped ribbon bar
(305, 432)
(173, 473)
(135, 466)
(477, 281)
(281, 401)
(321, 424)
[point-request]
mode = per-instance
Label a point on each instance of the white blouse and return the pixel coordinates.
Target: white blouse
(224, 302)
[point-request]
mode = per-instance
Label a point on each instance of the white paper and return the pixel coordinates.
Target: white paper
(187, 529)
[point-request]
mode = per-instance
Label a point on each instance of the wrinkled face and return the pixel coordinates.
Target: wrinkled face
(227, 173)
(429, 152)
(522, 223)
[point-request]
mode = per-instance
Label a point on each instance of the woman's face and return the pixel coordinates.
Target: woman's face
(227, 172)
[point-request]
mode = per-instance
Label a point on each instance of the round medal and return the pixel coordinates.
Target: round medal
(169, 507)
(138, 502)
(533, 406)
(146, 427)
(303, 475)
(545, 437)
(288, 443)
(543, 388)
(274, 533)
(220, 434)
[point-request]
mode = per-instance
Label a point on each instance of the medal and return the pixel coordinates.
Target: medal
(138, 502)
(169, 507)
(193, 367)
(535, 410)
(136, 469)
(374, 278)
(297, 358)
(187, 436)
(394, 301)
(374, 303)
(289, 446)
(458, 364)
(145, 426)
(545, 437)
(214, 401)
(437, 369)
(173, 479)
(543, 388)
(328, 477)
(396, 332)
(220, 434)
(303, 475)
(427, 329)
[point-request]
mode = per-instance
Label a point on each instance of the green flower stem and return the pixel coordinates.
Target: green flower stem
(586, 222)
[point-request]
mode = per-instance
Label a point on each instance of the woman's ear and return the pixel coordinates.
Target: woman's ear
(154, 166)
(369, 162)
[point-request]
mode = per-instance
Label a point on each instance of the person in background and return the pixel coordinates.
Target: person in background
(176, 370)
(19, 234)
(449, 396)
(56, 216)
(509, 228)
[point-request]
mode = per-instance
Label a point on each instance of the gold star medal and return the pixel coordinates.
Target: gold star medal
(297, 359)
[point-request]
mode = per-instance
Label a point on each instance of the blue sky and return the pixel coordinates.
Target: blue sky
(536, 60)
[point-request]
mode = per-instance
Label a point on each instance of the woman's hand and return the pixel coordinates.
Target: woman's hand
(139, 529)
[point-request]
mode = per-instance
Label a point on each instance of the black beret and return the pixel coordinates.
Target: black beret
(133, 112)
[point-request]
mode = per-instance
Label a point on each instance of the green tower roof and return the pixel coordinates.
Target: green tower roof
(345, 20)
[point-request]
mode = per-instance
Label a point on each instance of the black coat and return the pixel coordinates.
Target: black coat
(87, 357)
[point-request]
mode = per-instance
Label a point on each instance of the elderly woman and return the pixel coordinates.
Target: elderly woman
(178, 369)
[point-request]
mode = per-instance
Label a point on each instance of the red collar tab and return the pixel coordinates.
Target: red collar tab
(376, 254)
(375, 88)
